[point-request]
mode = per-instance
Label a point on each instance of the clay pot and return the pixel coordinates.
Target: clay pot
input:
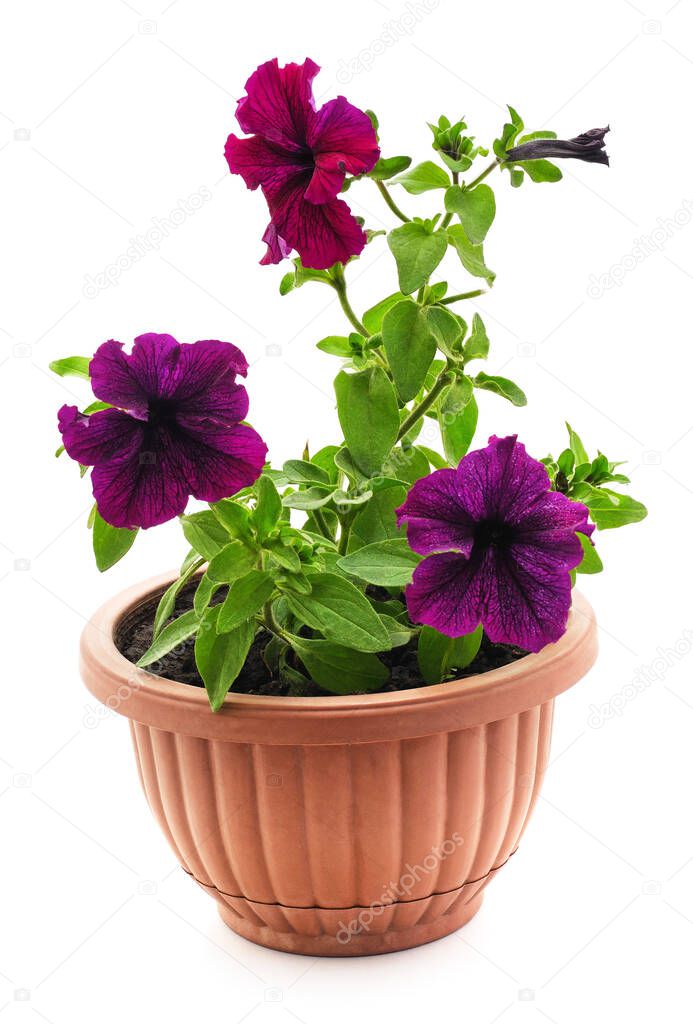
(341, 826)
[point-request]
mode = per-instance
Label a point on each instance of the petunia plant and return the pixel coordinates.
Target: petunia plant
(377, 561)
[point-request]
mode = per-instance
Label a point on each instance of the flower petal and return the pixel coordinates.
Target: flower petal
(278, 103)
(218, 464)
(260, 162)
(446, 593)
(501, 482)
(342, 139)
(277, 249)
(321, 235)
(106, 436)
(154, 362)
(145, 490)
(526, 600)
(436, 520)
(548, 533)
(113, 379)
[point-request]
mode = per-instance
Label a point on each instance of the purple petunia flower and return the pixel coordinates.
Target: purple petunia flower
(589, 146)
(175, 430)
(300, 156)
(500, 546)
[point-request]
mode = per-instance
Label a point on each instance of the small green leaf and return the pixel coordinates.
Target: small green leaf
(221, 656)
(287, 283)
(298, 471)
(471, 255)
(340, 669)
(167, 602)
(206, 589)
(341, 612)
(438, 655)
(423, 178)
(387, 563)
(245, 598)
(268, 506)
(477, 344)
(609, 509)
(475, 207)
(171, 636)
(387, 167)
(110, 542)
(501, 386)
(458, 414)
(72, 366)
(336, 346)
(234, 517)
(233, 561)
(577, 447)
(310, 498)
(285, 556)
(417, 252)
(541, 170)
(377, 521)
(409, 345)
(373, 317)
(448, 329)
(591, 562)
(369, 416)
(204, 533)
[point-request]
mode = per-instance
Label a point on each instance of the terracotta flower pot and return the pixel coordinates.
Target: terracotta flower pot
(341, 826)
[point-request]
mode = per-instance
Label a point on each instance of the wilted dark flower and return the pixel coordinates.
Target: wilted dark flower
(589, 146)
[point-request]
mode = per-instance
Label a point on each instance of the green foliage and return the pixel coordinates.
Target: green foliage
(369, 416)
(341, 613)
(340, 669)
(72, 366)
(423, 178)
(221, 656)
(385, 563)
(110, 542)
(418, 249)
(439, 655)
(471, 255)
(410, 346)
(500, 386)
(475, 207)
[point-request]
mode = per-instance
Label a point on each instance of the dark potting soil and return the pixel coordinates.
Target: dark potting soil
(135, 636)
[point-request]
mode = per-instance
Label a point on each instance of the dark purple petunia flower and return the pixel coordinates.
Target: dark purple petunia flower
(300, 156)
(175, 431)
(589, 146)
(500, 546)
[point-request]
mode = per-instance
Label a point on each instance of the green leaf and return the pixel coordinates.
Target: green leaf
(501, 386)
(409, 345)
(577, 447)
(167, 602)
(221, 656)
(298, 471)
(245, 598)
(399, 633)
(324, 458)
(448, 329)
(458, 414)
(285, 556)
(234, 517)
(471, 255)
(438, 655)
(377, 521)
(110, 542)
(204, 533)
(310, 498)
(234, 560)
(475, 207)
(417, 252)
(387, 563)
(340, 669)
(171, 636)
(423, 178)
(477, 344)
(609, 509)
(72, 366)
(387, 167)
(373, 317)
(541, 170)
(369, 416)
(517, 176)
(268, 506)
(341, 612)
(287, 283)
(336, 345)
(591, 562)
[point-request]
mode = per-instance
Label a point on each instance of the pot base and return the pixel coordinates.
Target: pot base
(365, 944)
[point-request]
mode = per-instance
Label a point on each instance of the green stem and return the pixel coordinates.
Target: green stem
(484, 174)
(339, 285)
(382, 188)
(462, 295)
(425, 404)
(344, 535)
(448, 216)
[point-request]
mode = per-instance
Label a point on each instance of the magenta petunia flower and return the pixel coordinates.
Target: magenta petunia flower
(175, 431)
(500, 546)
(299, 156)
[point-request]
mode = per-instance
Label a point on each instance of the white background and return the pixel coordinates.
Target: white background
(112, 113)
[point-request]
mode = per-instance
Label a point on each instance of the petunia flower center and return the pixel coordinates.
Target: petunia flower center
(492, 533)
(160, 412)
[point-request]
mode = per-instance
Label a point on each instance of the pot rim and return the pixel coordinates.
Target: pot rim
(353, 718)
